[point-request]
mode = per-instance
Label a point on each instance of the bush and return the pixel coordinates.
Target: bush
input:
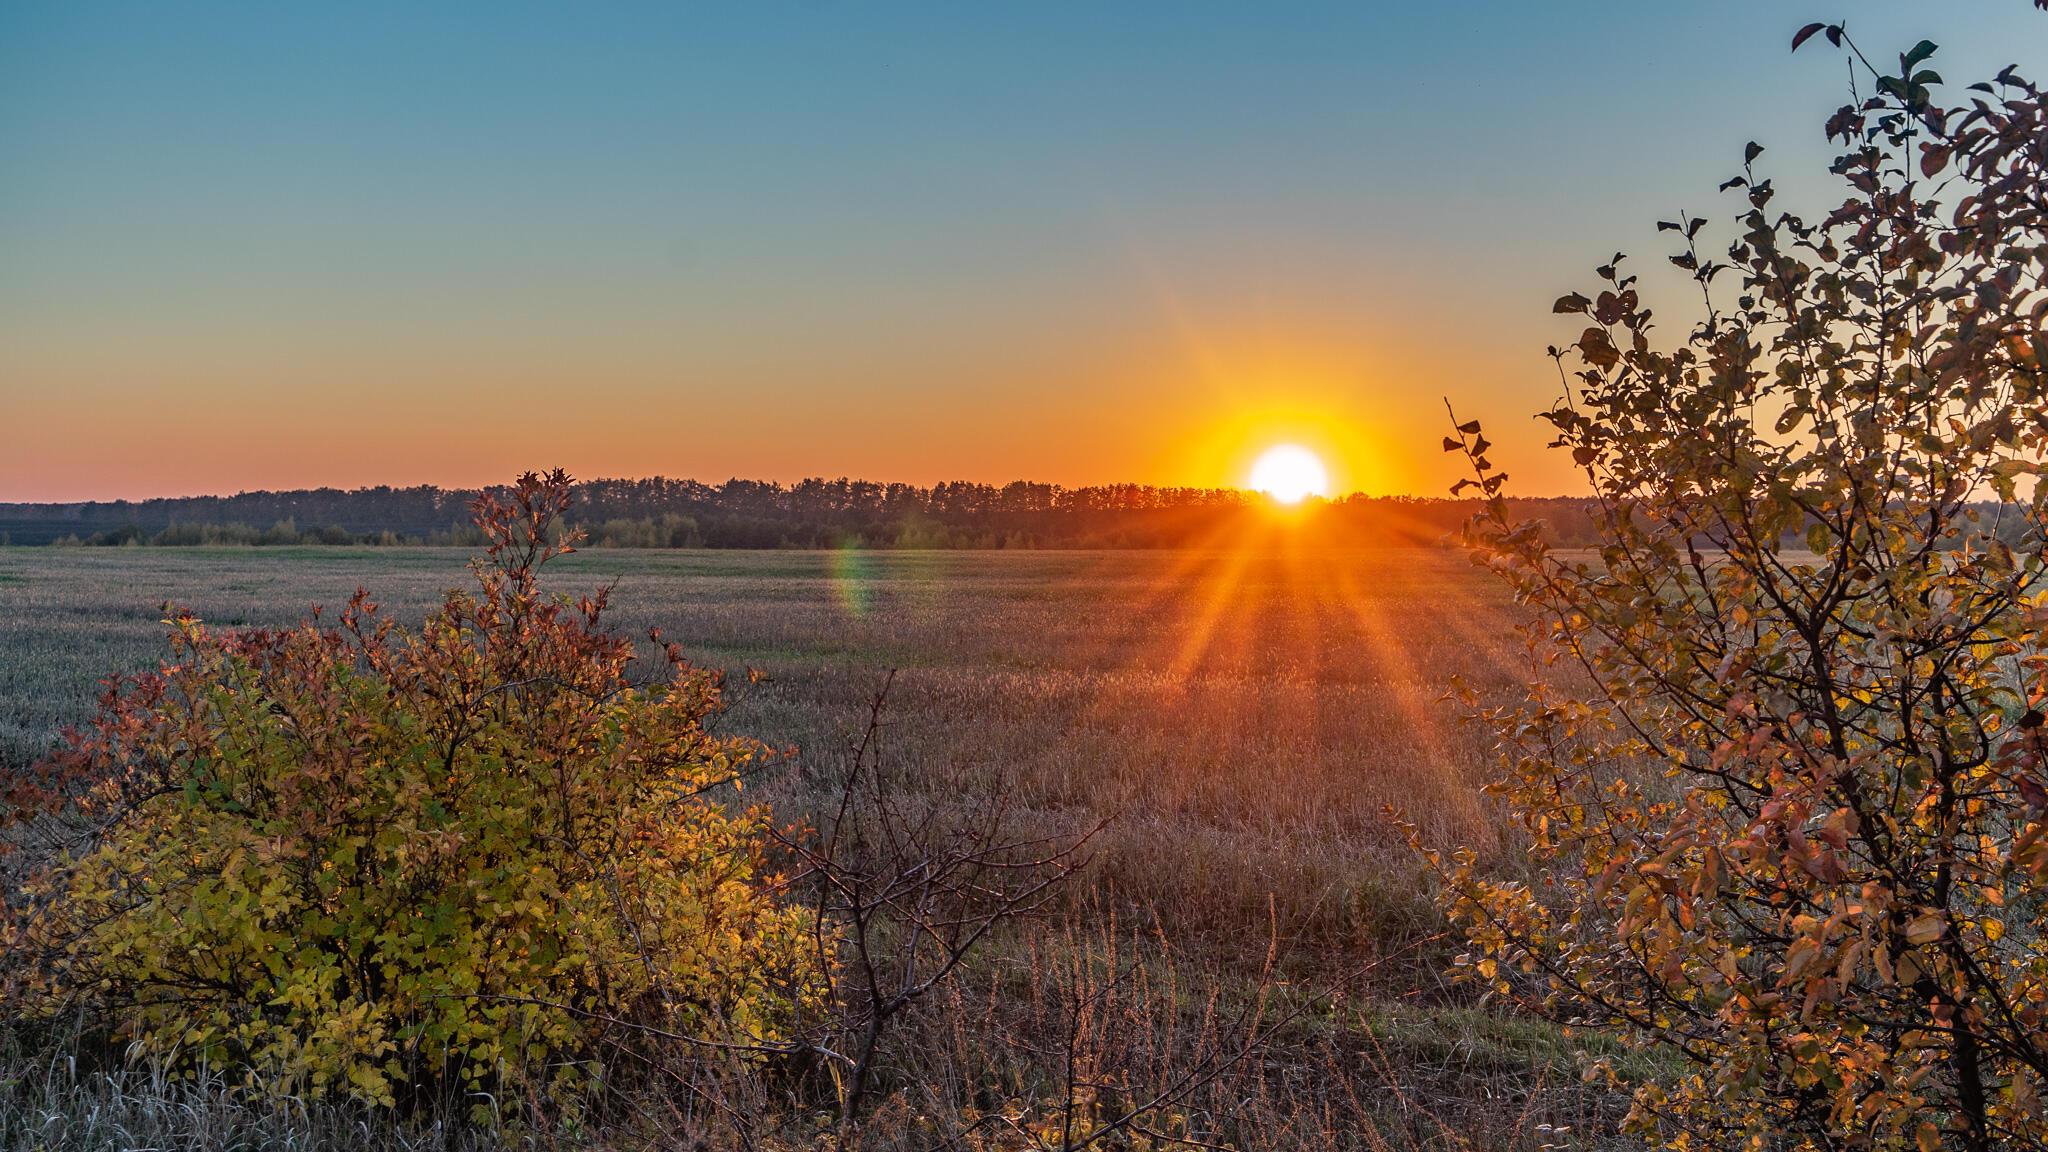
(1795, 838)
(364, 860)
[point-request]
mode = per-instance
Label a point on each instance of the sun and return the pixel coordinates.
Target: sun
(1290, 474)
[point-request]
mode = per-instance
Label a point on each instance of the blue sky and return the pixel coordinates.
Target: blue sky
(348, 244)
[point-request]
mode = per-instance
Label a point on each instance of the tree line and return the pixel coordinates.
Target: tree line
(660, 512)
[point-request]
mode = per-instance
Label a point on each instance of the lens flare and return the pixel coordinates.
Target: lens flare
(852, 580)
(1289, 474)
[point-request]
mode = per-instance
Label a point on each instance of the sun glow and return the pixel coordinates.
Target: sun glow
(1289, 474)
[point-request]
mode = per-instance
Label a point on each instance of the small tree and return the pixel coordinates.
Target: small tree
(367, 860)
(903, 892)
(1796, 834)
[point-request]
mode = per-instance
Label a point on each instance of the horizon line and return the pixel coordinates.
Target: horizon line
(782, 484)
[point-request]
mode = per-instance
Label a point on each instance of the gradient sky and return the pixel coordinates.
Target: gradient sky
(268, 246)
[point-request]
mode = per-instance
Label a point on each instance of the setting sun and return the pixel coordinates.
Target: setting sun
(1290, 474)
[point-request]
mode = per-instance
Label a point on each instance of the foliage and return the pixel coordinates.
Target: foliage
(1797, 835)
(366, 860)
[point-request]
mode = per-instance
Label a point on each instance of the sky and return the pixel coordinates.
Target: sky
(292, 245)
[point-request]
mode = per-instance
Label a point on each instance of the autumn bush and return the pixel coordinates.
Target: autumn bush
(360, 859)
(1793, 842)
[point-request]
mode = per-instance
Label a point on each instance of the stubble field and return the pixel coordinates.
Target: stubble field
(1245, 716)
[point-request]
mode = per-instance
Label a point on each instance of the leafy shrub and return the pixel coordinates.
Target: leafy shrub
(1796, 837)
(367, 860)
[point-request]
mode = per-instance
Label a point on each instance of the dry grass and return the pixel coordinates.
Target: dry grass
(1246, 714)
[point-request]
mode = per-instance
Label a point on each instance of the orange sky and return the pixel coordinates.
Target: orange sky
(271, 246)
(1172, 402)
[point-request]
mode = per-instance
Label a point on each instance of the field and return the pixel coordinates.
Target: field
(1245, 716)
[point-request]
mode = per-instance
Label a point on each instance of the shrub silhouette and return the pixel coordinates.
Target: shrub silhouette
(362, 859)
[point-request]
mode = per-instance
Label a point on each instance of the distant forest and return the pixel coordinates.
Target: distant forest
(664, 513)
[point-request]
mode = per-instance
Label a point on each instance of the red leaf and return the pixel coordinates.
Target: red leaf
(2032, 792)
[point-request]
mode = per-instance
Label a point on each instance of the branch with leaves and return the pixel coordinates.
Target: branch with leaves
(1788, 805)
